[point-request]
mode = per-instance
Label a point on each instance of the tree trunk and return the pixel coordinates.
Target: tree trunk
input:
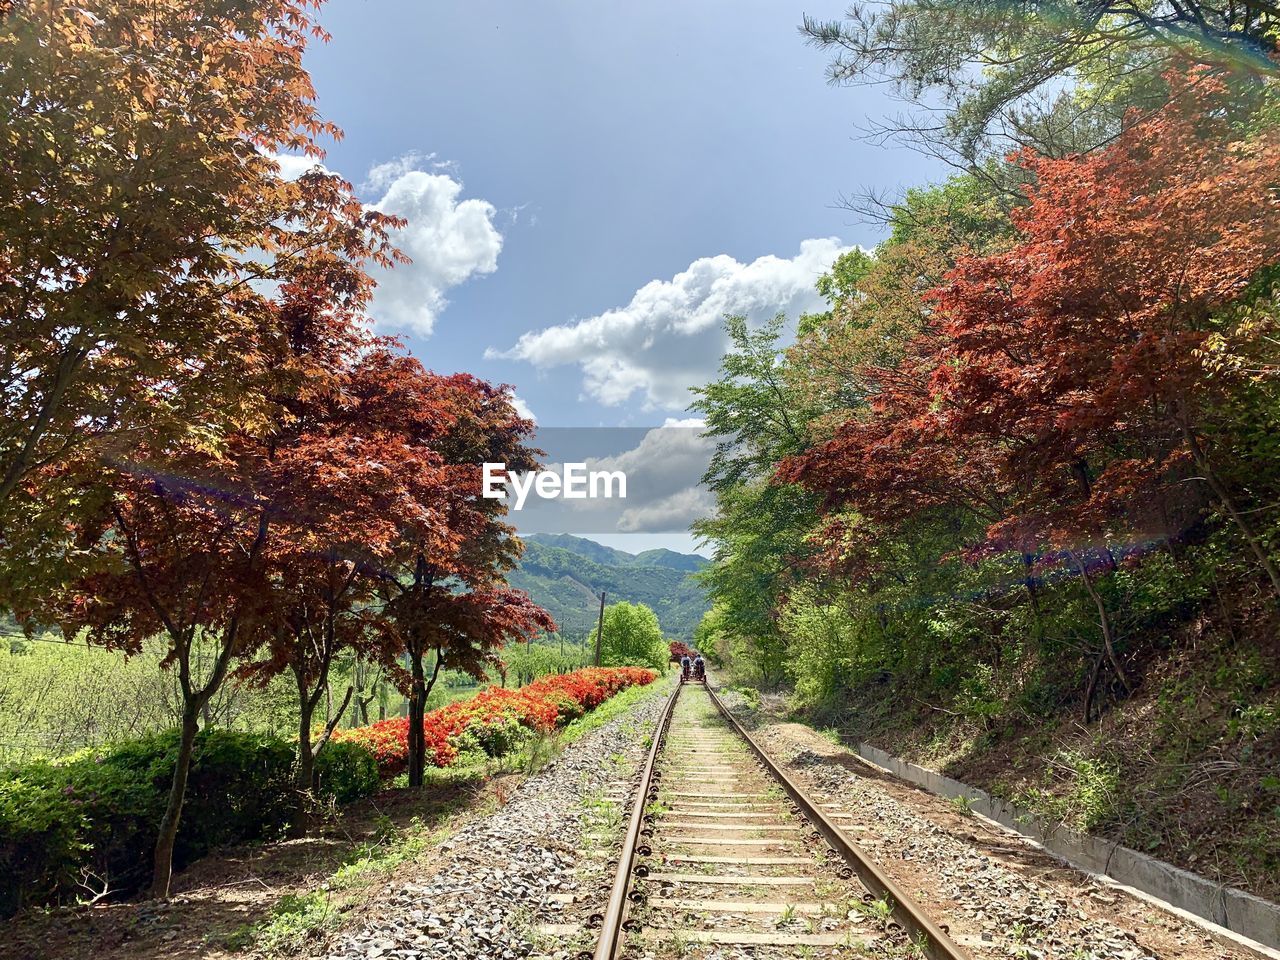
(1092, 687)
(163, 870)
(1108, 636)
(422, 687)
(305, 771)
(417, 711)
(1033, 595)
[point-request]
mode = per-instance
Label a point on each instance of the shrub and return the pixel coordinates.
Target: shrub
(346, 771)
(567, 708)
(99, 811)
(495, 721)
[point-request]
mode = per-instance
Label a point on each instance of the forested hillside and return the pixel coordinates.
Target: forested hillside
(1009, 505)
(565, 574)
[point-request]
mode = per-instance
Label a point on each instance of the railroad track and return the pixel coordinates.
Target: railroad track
(725, 854)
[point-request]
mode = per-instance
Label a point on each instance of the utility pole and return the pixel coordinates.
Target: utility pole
(600, 629)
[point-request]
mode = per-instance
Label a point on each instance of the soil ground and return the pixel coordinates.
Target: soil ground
(219, 901)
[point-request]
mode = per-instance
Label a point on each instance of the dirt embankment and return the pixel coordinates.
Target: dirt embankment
(1186, 768)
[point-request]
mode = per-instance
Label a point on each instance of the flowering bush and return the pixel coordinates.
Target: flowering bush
(495, 720)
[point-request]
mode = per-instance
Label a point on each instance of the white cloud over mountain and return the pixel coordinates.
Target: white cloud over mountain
(669, 336)
(663, 466)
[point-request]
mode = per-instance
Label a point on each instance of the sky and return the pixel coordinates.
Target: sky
(590, 187)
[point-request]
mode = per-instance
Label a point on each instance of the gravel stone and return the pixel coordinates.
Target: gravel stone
(492, 886)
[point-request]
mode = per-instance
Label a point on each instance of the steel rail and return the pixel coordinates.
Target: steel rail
(615, 913)
(937, 944)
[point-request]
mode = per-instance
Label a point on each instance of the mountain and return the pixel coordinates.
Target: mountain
(662, 557)
(596, 552)
(565, 574)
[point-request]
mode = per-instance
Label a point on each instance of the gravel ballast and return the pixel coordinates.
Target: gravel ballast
(1000, 897)
(499, 879)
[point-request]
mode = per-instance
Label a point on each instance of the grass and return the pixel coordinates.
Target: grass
(600, 817)
(832, 734)
(1081, 792)
(296, 919)
(878, 911)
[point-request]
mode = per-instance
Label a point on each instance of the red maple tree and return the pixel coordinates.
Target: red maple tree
(1062, 386)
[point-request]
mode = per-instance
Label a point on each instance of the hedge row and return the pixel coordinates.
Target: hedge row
(94, 816)
(494, 721)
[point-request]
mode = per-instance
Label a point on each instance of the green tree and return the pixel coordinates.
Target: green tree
(1054, 75)
(632, 637)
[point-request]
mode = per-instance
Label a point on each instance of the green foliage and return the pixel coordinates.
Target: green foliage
(759, 531)
(750, 407)
(492, 737)
(346, 771)
(526, 662)
(632, 637)
(294, 920)
(823, 645)
(565, 575)
(1048, 74)
(841, 281)
(92, 818)
(57, 698)
(1091, 798)
(977, 697)
(750, 696)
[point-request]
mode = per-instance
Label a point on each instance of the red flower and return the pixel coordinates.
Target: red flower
(543, 705)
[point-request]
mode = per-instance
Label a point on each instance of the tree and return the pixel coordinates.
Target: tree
(193, 536)
(751, 409)
(1059, 396)
(464, 630)
(139, 205)
(1081, 349)
(183, 537)
(1053, 75)
(340, 485)
(758, 414)
(632, 637)
(443, 591)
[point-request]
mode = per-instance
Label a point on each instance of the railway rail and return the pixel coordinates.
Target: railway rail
(724, 851)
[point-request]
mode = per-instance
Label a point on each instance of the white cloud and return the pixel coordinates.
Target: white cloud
(382, 175)
(676, 512)
(670, 336)
(522, 408)
(664, 492)
(449, 241)
(293, 165)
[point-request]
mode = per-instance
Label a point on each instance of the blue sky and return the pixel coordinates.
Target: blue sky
(590, 185)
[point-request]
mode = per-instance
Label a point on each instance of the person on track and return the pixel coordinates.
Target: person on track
(684, 667)
(699, 668)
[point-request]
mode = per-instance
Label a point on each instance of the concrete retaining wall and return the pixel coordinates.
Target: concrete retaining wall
(1235, 910)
